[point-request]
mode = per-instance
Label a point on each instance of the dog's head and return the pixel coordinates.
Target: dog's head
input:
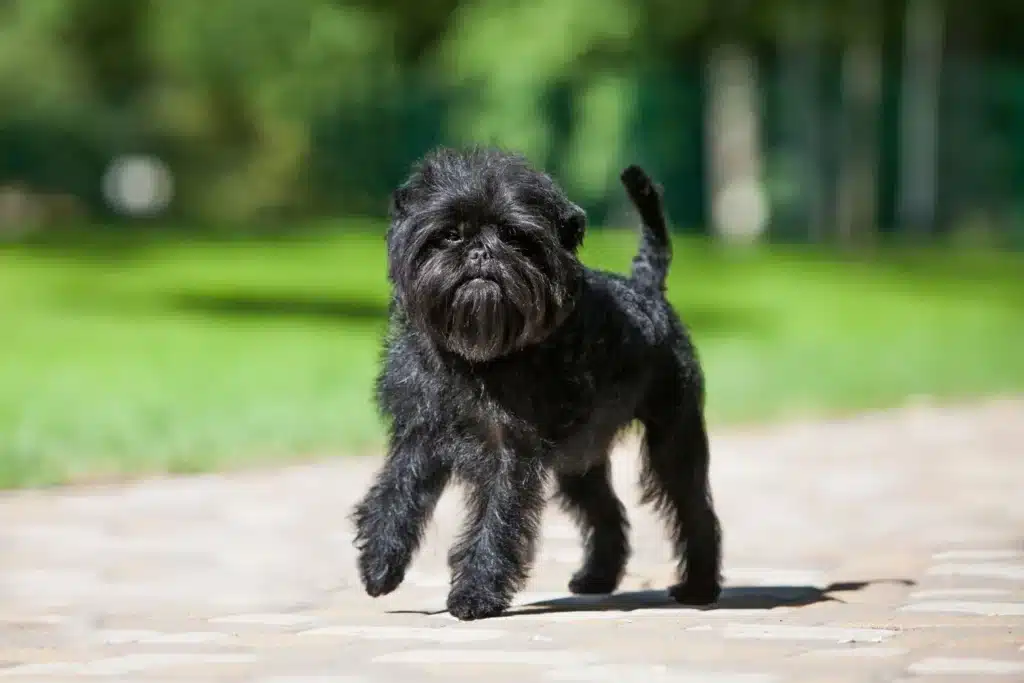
(482, 251)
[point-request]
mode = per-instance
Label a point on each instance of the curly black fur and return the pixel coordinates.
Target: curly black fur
(508, 361)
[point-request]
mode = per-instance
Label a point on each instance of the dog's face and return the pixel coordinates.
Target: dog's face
(482, 252)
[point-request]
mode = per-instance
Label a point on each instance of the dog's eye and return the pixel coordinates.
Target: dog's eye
(516, 237)
(453, 235)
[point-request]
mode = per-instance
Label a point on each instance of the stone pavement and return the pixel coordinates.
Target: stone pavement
(882, 548)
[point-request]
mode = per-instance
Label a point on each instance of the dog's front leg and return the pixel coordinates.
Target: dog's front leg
(391, 518)
(491, 561)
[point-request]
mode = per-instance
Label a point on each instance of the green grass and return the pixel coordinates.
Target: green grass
(179, 357)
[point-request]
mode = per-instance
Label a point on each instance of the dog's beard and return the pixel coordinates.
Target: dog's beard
(481, 314)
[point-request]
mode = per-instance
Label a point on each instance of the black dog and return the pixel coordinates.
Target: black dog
(508, 359)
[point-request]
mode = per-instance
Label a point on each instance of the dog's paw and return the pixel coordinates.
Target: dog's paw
(380, 575)
(470, 605)
(586, 583)
(695, 593)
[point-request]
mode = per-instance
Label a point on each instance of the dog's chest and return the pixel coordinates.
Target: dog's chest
(532, 407)
(542, 394)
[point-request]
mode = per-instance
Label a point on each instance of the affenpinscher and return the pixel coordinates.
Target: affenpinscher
(508, 359)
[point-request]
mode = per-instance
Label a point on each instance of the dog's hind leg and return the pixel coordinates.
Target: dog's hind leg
(675, 480)
(599, 513)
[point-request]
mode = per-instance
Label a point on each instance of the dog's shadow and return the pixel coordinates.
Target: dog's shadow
(732, 598)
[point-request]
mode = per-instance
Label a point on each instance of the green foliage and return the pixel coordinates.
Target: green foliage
(226, 89)
(37, 73)
(266, 108)
(552, 39)
(238, 83)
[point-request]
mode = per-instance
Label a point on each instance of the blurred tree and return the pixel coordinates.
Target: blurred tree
(51, 133)
(739, 205)
(796, 184)
(239, 81)
(263, 107)
(107, 40)
(37, 73)
(919, 134)
(511, 54)
(861, 82)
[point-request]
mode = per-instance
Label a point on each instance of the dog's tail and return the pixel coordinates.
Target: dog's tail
(650, 265)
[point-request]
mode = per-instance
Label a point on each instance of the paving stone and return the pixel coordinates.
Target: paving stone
(500, 657)
(978, 555)
(437, 635)
(268, 619)
(128, 664)
(991, 609)
(831, 634)
(767, 576)
(651, 674)
(313, 679)
(560, 532)
(114, 637)
(950, 665)
(940, 593)
(858, 652)
(1012, 572)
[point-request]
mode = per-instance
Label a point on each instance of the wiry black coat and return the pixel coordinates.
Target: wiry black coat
(507, 360)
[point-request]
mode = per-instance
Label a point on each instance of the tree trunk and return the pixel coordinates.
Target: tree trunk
(858, 165)
(800, 45)
(919, 121)
(739, 207)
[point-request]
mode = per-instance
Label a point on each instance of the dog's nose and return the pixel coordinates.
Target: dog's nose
(478, 254)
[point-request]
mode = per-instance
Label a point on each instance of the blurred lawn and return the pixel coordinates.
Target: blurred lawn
(187, 357)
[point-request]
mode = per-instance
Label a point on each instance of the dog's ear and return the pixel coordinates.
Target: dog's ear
(398, 208)
(573, 225)
(398, 211)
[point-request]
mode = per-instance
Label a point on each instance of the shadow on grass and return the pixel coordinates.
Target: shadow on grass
(725, 321)
(263, 306)
(703, 320)
(732, 598)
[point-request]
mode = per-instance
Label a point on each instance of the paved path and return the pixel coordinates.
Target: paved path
(884, 548)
